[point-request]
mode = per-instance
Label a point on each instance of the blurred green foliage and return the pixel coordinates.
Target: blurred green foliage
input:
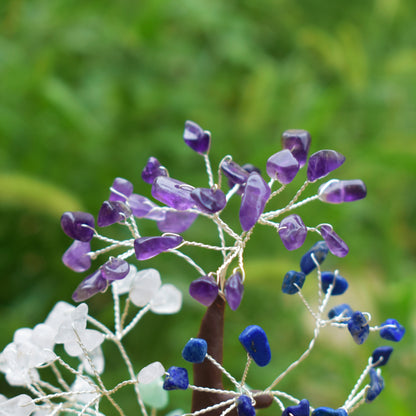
(90, 89)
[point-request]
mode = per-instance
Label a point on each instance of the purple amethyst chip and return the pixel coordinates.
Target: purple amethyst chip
(322, 163)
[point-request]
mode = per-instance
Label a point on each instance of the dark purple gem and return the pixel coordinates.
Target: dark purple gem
(292, 282)
(112, 212)
(334, 242)
(121, 189)
(376, 386)
(358, 327)
(152, 170)
(248, 167)
(319, 250)
(140, 206)
(255, 342)
(253, 201)
(298, 142)
(76, 257)
(244, 406)
(234, 172)
(176, 221)
(282, 166)
(381, 355)
(196, 138)
(148, 247)
(336, 191)
(301, 409)
(115, 269)
(204, 290)
(90, 286)
(195, 350)
(344, 309)
(78, 225)
(173, 193)
(209, 200)
(322, 163)
(233, 290)
(340, 284)
(395, 333)
(292, 231)
(176, 378)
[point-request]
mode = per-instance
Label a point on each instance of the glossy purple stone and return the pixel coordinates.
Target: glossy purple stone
(204, 290)
(282, 166)
(233, 290)
(115, 269)
(292, 231)
(173, 193)
(334, 242)
(176, 221)
(148, 247)
(301, 409)
(298, 142)
(322, 163)
(234, 172)
(112, 212)
(336, 191)
(121, 189)
(152, 170)
(253, 201)
(196, 138)
(76, 257)
(255, 342)
(78, 225)
(209, 200)
(90, 286)
(140, 206)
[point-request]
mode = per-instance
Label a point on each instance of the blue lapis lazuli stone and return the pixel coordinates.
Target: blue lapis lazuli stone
(340, 284)
(319, 250)
(195, 350)
(291, 280)
(381, 355)
(244, 406)
(301, 409)
(358, 327)
(177, 378)
(343, 309)
(394, 333)
(255, 342)
(376, 386)
(327, 411)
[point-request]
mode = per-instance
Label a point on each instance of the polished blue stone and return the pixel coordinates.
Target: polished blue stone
(376, 386)
(195, 350)
(244, 406)
(344, 309)
(177, 378)
(319, 250)
(327, 411)
(301, 409)
(255, 342)
(381, 354)
(340, 284)
(291, 279)
(392, 334)
(358, 327)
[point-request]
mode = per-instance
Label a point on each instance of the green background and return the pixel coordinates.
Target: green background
(90, 89)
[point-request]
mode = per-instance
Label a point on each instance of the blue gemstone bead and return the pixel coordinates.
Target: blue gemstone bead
(177, 378)
(344, 309)
(255, 342)
(195, 350)
(376, 386)
(244, 406)
(392, 334)
(340, 284)
(301, 409)
(327, 411)
(291, 278)
(381, 354)
(319, 250)
(358, 327)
